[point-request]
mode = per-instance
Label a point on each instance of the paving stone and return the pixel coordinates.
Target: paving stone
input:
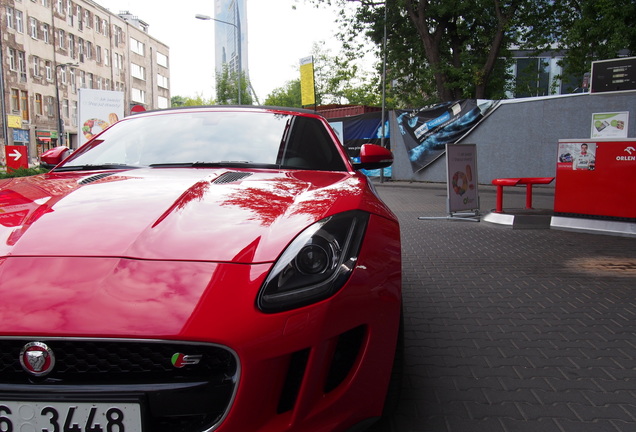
(505, 330)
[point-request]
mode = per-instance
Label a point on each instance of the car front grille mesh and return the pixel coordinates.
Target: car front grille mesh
(144, 368)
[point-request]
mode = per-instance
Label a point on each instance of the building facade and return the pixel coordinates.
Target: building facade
(50, 49)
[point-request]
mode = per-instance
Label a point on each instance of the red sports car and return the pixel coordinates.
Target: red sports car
(204, 269)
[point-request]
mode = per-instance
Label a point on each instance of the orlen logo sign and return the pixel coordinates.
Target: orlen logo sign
(632, 155)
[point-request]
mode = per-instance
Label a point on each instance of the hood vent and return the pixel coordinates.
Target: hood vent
(93, 178)
(230, 177)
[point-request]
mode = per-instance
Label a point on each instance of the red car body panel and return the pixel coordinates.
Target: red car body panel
(167, 254)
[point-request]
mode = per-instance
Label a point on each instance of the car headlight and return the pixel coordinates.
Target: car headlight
(316, 264)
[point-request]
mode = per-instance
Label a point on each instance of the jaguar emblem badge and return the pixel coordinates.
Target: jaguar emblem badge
(37, 358)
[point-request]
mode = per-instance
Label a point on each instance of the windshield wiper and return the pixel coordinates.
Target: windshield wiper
(232, 164)
(95, 167)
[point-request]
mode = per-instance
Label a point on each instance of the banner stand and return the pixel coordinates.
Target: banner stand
(461, 183)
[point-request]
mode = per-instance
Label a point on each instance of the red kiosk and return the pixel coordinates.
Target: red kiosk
(595, 179)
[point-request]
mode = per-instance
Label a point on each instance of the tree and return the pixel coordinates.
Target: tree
(593, 30)
(227, 88)
(338, 80)
(286, 96)
(453, 49)
(178, 101)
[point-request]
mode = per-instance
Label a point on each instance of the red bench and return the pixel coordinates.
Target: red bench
(528, 181)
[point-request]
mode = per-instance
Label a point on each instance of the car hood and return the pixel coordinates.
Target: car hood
(216, 215)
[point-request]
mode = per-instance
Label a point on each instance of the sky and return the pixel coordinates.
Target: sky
(278, 37)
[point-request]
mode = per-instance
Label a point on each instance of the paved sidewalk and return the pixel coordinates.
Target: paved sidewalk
(512, 330)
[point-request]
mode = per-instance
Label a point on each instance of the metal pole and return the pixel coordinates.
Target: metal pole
(383, 89)
(240, 60)
(5, 130)
(60, 122)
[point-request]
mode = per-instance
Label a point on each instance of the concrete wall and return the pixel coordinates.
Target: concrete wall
(520, 138)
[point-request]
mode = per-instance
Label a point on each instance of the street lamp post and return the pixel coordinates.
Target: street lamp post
(60, 121)
(237, 31)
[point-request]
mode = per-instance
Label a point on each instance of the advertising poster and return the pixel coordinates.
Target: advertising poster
(610, 125)
(426, 131)
(98, 109)
(577, 156)
(353, 131)
(461, 170)
(307, 92)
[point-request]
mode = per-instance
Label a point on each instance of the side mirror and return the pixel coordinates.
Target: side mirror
(373, 156)
(53, 157)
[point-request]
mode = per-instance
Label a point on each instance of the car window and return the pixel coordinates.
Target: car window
(215, 137)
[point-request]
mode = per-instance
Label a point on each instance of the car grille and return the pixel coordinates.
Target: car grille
(190, 398)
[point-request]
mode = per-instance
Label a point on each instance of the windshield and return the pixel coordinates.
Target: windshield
(211, 137)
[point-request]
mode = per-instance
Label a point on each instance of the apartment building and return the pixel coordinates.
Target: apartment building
(50, 49)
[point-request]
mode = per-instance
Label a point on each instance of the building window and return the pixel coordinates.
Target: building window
(48, 70)
(80, 46)
(89, 50)
(10, 20)
(90, 80)
(138, 95)
(118, 35)
(12, 59)
(63, 75)
(74, 114)
(71, 45)
(65, 112)
(45, 3)
(61, 39)
(24, 104)
(46, 33)
(73, 81)
(98, 54)
(70, 18)
(106, 57)
(80, 23)
(22, 65)
(49, 106)
(36, 66)
(33, 27)
(137, 71)
(15, 100)
(38, 104)
(60, 6)
(162, 60)
(162, 102)
(162, 81)
(136, 46)
(19, 24)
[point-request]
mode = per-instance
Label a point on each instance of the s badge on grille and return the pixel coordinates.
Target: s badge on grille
(37, 358)
(180, 360)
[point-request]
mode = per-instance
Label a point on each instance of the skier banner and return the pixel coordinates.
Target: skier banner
(426, 131)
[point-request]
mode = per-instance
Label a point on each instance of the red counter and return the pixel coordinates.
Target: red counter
(596, 178)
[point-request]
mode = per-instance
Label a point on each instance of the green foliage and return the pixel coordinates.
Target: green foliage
(593, 30)
(338, 80)
(22, 172)
(286, 96)
(199, 100)
(441, 50)
(227, 88)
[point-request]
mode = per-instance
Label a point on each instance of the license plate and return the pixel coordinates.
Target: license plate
(69, 417)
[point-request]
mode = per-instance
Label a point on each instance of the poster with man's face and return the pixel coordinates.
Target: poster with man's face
(577, 156)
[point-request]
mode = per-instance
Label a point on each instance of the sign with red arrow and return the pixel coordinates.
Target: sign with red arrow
(16, 157)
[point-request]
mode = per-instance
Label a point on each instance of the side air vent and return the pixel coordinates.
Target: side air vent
(93, 178)
(230, 177)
